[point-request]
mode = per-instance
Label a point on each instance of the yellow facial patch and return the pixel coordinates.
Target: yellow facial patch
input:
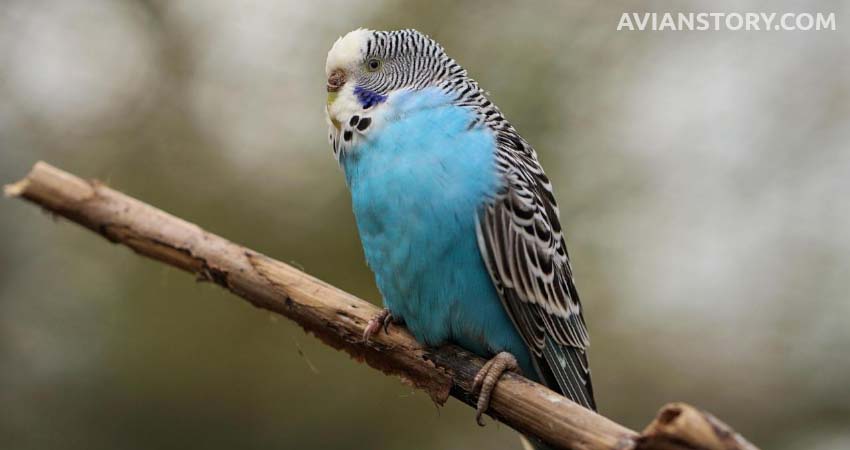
(332, 96)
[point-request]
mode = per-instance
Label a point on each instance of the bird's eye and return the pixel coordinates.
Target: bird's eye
(373, 64)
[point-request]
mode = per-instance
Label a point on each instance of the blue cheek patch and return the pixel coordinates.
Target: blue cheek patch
(368, 98)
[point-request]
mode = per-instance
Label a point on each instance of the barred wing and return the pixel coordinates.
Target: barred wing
(520, 238)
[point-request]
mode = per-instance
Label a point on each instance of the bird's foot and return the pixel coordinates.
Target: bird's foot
(486, 380)
(382, 320)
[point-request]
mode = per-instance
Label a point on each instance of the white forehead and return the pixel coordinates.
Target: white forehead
(347, 50)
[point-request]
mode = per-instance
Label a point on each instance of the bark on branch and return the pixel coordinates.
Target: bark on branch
(338, 319)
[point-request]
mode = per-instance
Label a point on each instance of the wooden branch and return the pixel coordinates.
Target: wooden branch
(339, 318)
(679, 426)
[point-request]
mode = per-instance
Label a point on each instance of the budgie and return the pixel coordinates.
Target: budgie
(457, 219)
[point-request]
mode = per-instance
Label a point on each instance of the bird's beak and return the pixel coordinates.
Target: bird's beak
(336, 80)
(335, 122)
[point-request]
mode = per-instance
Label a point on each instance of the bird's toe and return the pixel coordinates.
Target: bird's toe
(382, 320)
(486, 379)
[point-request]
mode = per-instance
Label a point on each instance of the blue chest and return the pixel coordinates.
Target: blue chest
(416, 185)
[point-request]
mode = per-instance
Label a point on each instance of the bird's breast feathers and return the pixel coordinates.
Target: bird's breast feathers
(421, 145)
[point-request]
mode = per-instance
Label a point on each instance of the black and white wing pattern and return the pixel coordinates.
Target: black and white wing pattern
(521, 242)
(520, 238)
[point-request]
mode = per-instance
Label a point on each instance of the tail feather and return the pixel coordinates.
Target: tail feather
(568, 373)
(564, 369)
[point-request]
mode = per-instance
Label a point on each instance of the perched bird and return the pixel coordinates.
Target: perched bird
(457, 219)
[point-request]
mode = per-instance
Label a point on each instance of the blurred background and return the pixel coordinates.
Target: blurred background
(703, 179)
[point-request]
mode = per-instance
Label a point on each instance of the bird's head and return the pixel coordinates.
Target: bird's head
(365, 67)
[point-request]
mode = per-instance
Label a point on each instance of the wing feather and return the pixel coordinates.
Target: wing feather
(520, 238)
(521, 241)
(534, 271)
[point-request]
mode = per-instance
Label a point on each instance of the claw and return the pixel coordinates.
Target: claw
(388, 319)
(381, 320)
(486, 378)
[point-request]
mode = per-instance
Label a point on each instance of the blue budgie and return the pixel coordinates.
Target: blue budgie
(457, 219)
